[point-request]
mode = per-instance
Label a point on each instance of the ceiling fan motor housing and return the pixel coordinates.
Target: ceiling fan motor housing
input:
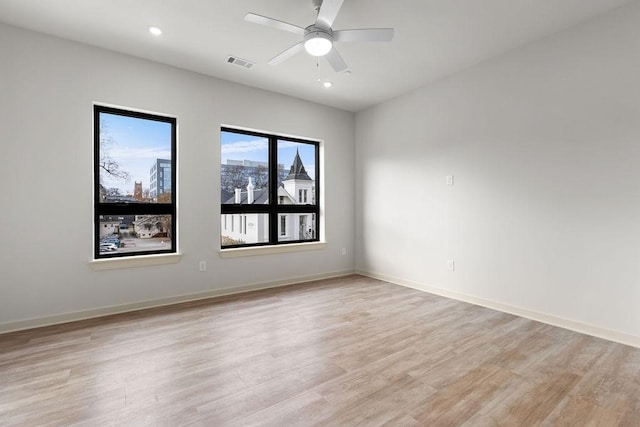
(315, 31)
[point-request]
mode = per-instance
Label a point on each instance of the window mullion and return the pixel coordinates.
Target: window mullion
(273, 190)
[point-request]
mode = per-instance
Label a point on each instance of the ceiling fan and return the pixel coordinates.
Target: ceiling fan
(318, 38)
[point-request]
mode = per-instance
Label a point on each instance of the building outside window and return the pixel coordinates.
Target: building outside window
(134, 210)
(269, 180)
(160, 179)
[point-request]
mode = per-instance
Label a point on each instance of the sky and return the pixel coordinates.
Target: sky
(235, 146)
(137, 143)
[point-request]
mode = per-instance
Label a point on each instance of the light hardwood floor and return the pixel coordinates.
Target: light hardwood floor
(346, 351)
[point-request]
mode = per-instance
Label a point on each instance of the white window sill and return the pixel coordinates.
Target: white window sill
(134, 261)
(269, 250)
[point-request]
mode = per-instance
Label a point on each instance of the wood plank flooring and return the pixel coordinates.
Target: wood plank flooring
(339, 352)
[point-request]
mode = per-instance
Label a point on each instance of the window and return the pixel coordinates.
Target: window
(134, 213)
(272, 181)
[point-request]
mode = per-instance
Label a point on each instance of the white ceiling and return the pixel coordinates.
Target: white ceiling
(433, 38)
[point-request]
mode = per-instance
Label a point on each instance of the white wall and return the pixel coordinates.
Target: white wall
(47, 87)
(544, 215)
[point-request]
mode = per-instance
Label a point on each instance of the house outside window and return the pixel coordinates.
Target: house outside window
(268, 179)
(134, 212)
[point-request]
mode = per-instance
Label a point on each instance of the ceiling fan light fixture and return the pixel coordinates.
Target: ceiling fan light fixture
(318, 44)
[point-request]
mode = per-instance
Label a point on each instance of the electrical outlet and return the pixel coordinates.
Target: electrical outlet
(203, 265)
(451, 265)
(449, 179)
(344, 251)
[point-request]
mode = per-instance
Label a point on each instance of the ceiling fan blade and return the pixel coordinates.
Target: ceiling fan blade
(364, 35)
(273, 23)
(288, 53)
(328, 12)
(336, 61)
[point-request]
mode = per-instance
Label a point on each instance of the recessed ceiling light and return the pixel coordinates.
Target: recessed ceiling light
(327, 84)
(155, 30)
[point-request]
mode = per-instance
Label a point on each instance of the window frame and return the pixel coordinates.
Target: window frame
(273, 208)
(129, 208)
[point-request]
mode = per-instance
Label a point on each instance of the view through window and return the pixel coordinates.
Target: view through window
(135, 191)
(269, 189)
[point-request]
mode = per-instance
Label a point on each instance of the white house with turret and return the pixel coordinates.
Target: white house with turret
(296, 188)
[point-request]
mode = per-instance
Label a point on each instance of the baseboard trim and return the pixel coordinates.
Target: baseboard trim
(573, 325)
(141, 305)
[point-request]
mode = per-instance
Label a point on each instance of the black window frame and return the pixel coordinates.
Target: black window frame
(273, 209)
(131, 208)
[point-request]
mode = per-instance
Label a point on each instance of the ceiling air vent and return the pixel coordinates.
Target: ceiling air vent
(239, 61)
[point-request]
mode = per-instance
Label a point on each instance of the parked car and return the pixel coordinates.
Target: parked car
(113, 240)
(108, 247)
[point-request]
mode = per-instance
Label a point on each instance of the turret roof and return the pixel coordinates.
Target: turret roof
(297, 170)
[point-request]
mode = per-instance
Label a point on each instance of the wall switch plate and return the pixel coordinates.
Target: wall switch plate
(449, 179)
(451, 265)
(203, 265)
(344, 251)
